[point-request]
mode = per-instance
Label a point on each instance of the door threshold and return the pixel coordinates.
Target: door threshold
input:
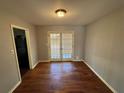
(61, 61)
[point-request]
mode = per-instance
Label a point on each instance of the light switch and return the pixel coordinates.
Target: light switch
(12, 51)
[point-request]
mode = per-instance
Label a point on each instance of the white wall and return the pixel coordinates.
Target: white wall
(104, 50)
(43, 39)
(8, 69)
(33, 41)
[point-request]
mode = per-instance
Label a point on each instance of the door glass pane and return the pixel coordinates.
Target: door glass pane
(55, 45)
(67, 45)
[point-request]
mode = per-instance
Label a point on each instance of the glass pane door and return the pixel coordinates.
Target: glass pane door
(61, 46)
(67, 46)
(55, 46)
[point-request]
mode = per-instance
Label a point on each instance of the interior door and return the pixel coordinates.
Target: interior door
(61, 46)
(21, 49)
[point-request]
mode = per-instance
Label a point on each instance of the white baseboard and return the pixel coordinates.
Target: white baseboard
(75, 60)
(35, 65)
(11, 91)
(44, 61)
(110, 87)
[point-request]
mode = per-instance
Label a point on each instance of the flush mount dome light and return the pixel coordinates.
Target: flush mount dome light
(60, 12)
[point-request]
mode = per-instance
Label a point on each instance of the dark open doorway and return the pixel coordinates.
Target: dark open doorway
(21, 48)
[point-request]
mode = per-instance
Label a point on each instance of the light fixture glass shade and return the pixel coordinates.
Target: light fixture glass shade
(60, 12)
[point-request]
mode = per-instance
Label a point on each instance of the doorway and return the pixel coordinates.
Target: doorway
(61, 46)
(20, 43)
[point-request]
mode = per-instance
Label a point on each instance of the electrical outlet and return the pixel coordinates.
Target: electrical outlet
(77, 57)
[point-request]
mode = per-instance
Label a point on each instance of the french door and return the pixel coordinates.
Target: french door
(61, 46)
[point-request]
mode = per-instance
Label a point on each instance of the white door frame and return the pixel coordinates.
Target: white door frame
(28, 47)
(49, 50)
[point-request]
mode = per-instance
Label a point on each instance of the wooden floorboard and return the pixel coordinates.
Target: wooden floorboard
(61, 77)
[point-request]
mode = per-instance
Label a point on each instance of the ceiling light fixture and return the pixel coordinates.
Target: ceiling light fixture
(60, 12)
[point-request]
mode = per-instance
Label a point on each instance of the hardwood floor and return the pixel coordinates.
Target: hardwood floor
(61, 77)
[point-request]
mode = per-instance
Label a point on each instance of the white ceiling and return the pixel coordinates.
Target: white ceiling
(42, 12)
